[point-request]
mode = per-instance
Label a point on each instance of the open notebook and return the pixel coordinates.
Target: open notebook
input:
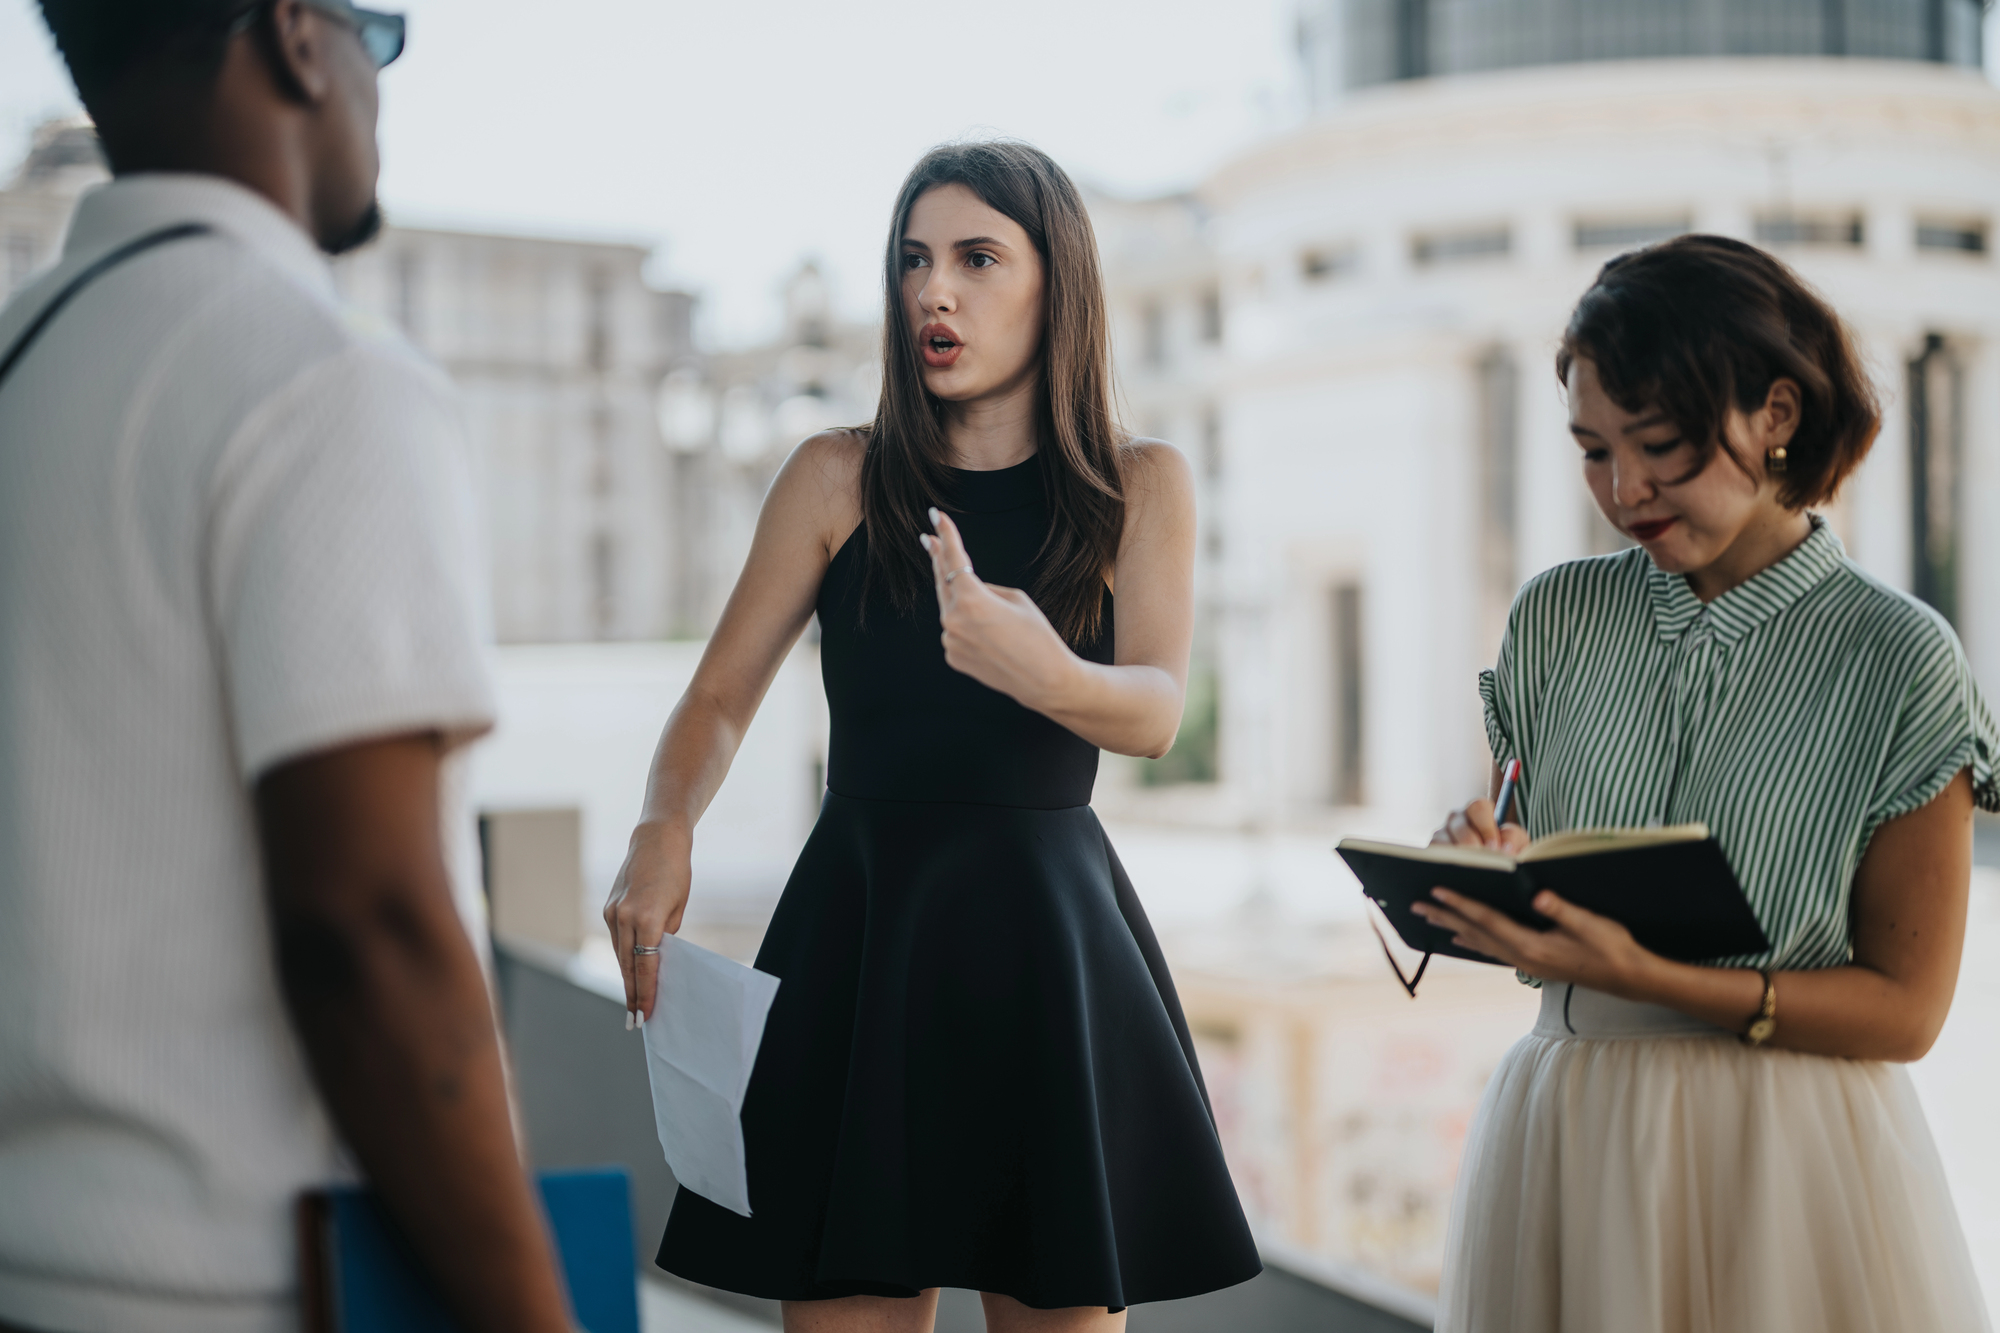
(1671, 887)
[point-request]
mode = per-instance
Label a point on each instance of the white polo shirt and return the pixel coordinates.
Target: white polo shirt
(235, 528)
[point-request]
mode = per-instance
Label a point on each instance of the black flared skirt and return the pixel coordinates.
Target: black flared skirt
(976, 1074)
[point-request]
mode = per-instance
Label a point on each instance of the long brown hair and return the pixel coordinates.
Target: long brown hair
(906, 467)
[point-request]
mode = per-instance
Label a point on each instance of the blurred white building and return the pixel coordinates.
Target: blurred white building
(62, 162)
(731, 418)
(557, 348)
(1350, 330)
(1351, 326)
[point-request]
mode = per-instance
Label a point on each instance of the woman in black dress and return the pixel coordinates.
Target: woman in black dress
(976, 1073)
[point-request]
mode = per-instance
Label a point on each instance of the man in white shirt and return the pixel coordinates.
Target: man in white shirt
(239, 644)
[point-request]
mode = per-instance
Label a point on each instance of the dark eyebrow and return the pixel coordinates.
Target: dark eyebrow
(1643, 423)
(978, 241)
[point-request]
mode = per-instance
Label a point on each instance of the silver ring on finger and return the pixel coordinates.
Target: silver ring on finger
(645, 950)
(962, 569)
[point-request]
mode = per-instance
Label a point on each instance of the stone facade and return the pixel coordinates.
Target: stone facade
(1388, 450)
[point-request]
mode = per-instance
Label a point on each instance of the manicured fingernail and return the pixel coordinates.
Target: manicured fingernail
(934, 516)
(642, 1020)
(628, 1020)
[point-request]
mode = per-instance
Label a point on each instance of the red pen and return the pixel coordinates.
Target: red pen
(1504, 802)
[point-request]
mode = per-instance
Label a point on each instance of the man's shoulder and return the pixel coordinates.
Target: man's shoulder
(215, 312)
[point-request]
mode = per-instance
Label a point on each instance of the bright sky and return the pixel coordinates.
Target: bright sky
(742, 137)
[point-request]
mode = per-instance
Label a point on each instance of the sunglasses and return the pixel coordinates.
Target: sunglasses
(382, 35)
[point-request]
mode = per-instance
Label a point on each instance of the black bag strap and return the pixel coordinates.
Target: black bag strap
(89, 275)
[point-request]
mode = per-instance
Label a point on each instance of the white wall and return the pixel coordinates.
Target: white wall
(578, 724)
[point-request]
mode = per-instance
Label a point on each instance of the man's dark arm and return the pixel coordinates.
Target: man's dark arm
(387, 996)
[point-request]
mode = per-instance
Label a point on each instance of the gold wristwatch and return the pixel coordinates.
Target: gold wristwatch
(1766, 1022)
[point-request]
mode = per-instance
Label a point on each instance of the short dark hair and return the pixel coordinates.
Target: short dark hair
(102, 39)
(1699, 324)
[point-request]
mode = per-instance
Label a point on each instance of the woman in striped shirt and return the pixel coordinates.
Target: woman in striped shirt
(1659, 1154)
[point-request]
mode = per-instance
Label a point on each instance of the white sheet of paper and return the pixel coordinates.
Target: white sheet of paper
(701, 1043)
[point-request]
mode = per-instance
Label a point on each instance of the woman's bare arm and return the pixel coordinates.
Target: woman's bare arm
(1888, 1004)
(1001, 639)
(813, 506)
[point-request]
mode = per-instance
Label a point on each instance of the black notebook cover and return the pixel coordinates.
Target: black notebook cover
(1681, 899)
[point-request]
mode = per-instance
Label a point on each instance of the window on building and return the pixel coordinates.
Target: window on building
(1498, 384)
(1211, 315)
(1211, 443)
(1350, 695)
(603, 468)
(603, 584)
(1192, 758)
(597, 332)
(1451, 247)
(1837, 229)
(1937, 390)
(1961, 236)
(1153, 333)
(1629, 233)
(1327, 262)
(1413, 38)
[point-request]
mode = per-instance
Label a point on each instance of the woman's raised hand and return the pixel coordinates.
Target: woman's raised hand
(996, 635)
(647, 900)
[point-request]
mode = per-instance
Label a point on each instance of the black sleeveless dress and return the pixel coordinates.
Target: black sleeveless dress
(976, 1073)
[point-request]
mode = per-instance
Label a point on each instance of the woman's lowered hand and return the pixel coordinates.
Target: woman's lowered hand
(1581, 946)
(647, 900)
(996, 635)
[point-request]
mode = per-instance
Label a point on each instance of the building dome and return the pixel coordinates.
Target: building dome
(1357, 43)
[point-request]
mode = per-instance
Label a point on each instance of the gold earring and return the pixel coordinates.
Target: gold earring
(1774, 462)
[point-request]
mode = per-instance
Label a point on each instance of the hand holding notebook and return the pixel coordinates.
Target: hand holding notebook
(1671, 887)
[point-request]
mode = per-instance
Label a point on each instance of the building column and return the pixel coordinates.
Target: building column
(1552, 497)
(1878, 494)
(1979, 516)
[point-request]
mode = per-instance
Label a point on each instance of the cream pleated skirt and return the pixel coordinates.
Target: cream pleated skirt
(1634, 1171)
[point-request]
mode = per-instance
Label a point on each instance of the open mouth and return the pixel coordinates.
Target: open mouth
(1647, 531)
(939, 345)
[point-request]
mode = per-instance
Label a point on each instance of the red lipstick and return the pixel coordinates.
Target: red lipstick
(939, 345)
(1652, 528)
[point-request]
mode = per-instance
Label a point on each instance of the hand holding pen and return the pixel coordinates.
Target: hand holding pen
(1484, 823)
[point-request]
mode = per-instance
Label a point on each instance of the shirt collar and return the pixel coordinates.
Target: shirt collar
(1755, 600)
(131, 206)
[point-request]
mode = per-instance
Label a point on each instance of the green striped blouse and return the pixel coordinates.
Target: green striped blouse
(1793, 715)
